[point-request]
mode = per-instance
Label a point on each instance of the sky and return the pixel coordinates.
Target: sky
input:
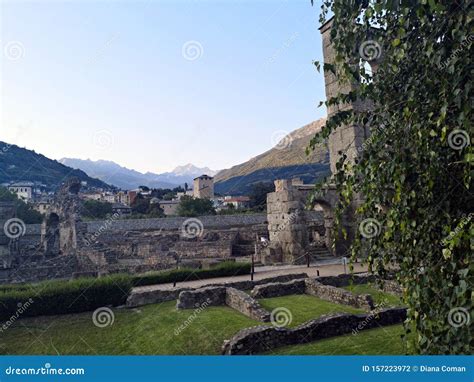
(156, 84)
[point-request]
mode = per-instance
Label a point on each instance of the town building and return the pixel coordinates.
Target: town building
(204, 187)
(23, 190)
(238, 202)
(169, 207)
(121, 209)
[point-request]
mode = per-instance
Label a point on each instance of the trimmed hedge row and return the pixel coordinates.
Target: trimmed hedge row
(224, 269)
(63, 297)
(87, 294)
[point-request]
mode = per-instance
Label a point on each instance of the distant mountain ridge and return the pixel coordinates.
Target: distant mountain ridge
(128, 179)
(19, 164)
(286, 160)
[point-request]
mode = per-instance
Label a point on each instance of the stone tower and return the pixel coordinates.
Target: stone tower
(345, 139)
(204, 187)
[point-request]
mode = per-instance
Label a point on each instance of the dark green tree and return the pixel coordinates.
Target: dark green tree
(23, 211)
(96, 209)
(190, 206)
(415, 171)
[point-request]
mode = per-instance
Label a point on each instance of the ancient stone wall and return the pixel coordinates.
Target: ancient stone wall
(266, 338)
(279, 289)
(191, 299)
(151, 295)
(338, 295)
(246, 305)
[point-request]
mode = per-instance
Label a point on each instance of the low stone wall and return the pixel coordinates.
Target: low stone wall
(147, 295)
(246, 305)
(338, 295)
(265, 338)
(346, 280)
(192, 299)
(391, 286)
(279, 289)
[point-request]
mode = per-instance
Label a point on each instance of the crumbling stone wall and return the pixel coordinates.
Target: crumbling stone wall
(338, 295)
(279, 289)
(261, 339)
(246, 305)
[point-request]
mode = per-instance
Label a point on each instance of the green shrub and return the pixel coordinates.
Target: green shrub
(177, 275)
(63, 297)
(87, 294)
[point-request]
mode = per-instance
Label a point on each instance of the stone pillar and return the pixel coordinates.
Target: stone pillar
(286, 224)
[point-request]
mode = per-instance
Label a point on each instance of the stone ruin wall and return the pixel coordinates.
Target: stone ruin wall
(132, 246)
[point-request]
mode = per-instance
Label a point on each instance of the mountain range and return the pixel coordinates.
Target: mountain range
(128, 179)
(19, 164)
(284, 161)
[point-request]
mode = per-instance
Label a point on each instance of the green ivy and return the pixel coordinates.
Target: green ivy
(414, 172)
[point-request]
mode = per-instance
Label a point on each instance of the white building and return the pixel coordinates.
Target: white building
(24, 191)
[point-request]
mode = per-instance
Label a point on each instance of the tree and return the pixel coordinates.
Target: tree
(140, 205)
(190, 206)
(258, 195)
(95, 209)
(23, 211)
(415, 171)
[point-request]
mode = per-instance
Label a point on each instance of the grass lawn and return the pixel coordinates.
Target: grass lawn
(380, 298)
(304, 307)
(148, 330)
(381, 341)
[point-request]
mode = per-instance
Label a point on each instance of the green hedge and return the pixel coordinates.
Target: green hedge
(87, 294)
(178, 275)
(62, 297)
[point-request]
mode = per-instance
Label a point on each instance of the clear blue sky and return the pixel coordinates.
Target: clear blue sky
(109, 80)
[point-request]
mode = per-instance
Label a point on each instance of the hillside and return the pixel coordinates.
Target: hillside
(19, 164)
(129, 179)
(286, 160)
